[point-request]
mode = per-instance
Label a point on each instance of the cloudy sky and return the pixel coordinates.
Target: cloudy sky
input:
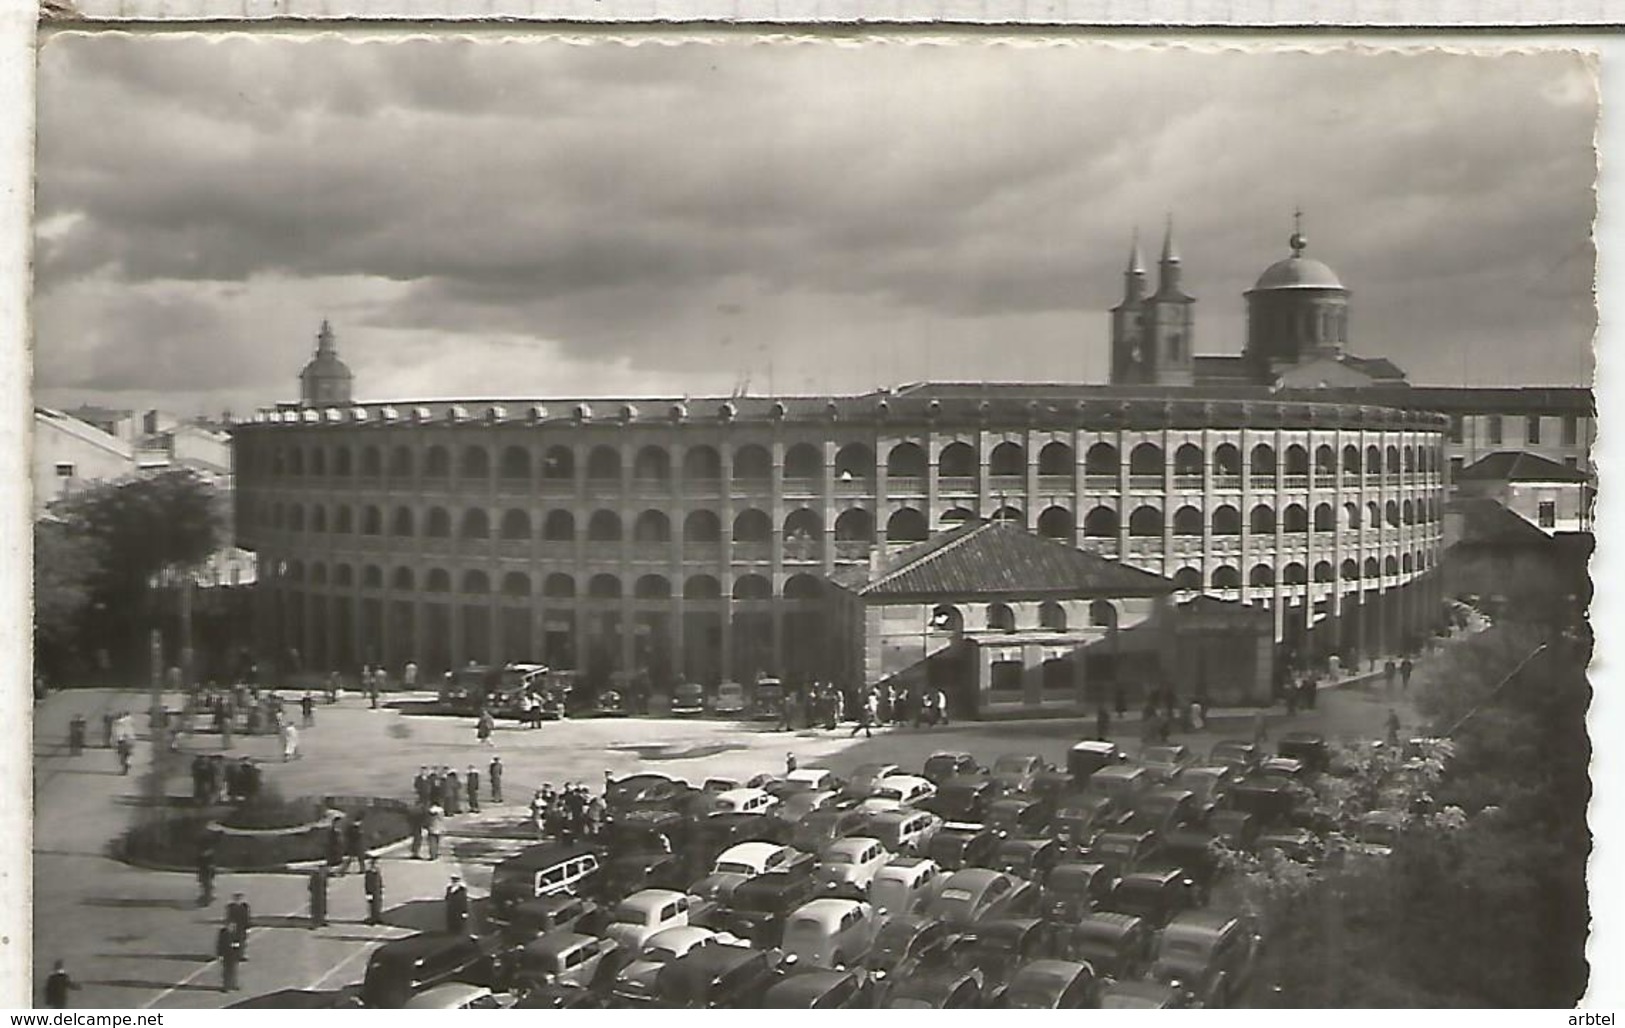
(498, 218)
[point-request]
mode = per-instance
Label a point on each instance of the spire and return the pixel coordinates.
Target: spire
(1169, 254)
(1136, 260)
(1299, 242)
(324, 340)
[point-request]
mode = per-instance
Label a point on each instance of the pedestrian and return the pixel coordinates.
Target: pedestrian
(290, 742)
(409, 676)
(374, 686)
(472, 783)
(942, 706)
(597, 815)
(1103, 723)
(228, 946)
(494, 774)
(862, 724)
(1406, 668)
(1388, 671)
(107, 730)
(373, 884)
(435, 826)
(126, 749)
(457, 906)
(205, 874)
(335, 845)
(355, 844)
(789, 763)
(239, 918)
(538, 813)
(307, 709)
(1198, 715)
(453, 793)
(784, 713)
(487, 724)
(317, 884)
(57, 986)
(418, 817)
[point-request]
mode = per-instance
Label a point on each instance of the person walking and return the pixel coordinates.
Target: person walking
(435, 827)
(355, 844)
(865, 714)
(290, 742)
(239, 918)
(494, 774)
(374, 686)
(126, 749)
(420, 786)
(57, 986)
(372, 883)
(335, 844)
(1261, 732)
(789, 763)
(1406, 668)
(317, 885)
(307, 709)
(942, 706)
(1388, 671)
(205, 874)
(418, 817)
(409, 676)
(1311, 692)
(1198, 715)
(228, 946)
(472, 782)
(457, 906)
(538, 813)
(487, 724)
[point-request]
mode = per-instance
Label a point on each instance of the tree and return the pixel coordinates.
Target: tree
(65, 565)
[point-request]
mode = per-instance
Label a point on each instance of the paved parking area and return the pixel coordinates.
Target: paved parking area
(135, 938)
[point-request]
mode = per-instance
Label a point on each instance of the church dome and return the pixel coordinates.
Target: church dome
(1298, 273)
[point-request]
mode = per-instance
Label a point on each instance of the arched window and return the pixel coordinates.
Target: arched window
(752, 526)
(296, 518)
(604, 527)
(1350, 570)
(1297, 460)
(1407, 513)
(702, 464)
(1373, 460)
(906, 460)
(1145, 459)
(1410, 458)
(1263, 461)
(652, 526)
(402, 580)
(702, 587)
(372, 521)
(604, 464)
(1351, 515)
(752, 587)
(476, 524)
(1010, 515)
(341, 462)
(604, 587)
(1295, 518)
(558, 585)
(1390, 460)
(702, 526)
(1406, 563)
(1392, 514)
(652, 466)
(1188, 461)
(477, 582)
(372, 462)
(1055, 523)
(946, 617)
(752, 463)
(1295, 574)
(558, 464)
(437, 462)
(559, 526)
(476, 463)
(439, 524)
(1008, 459)
(1102, 459)
(344, 522)
(957, 460)
(1052, 615)
(515, 525)
(651, 587)
(1325, 460)
(803, 587)
(1188, 580)
(1188, 521)
(1373, 515)
(516, 464)
(1056, 459)
(318, 518)
(907, 525)
(855, 525)
(803, 524)
(438, 581)
(400, 463)
(1227, 460)
(1226, 520)
(1324, 572)
(1100, 523)
(1000, 618)
(516, 584)
(1372, 568)
(1390, 566)
(1262, 520)
(803, 462)
(318, 462)
(1145, 521)
(343, 575)
(1261, 576)
(1351, 460)
(955, 516)
(854, 462)
(1102, 614)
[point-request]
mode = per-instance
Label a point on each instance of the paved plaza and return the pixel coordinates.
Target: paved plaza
(136, 938)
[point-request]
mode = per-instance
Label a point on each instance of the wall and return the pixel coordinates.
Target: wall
(94, 456)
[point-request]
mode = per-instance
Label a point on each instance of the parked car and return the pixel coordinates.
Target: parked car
(458, 996)
(945, 988)
(1211, 955)
(1117, 946)
(807, 779)
(1073, 889)
(822, 990)
(716, 833)
(743, 801)
(904, 831)
(898, 792)
(1154, 896)
(1029, 859)
(718, 977)
(1014, 772)
(907, 937)
(977, 894)
(1238, 753)
(904, 885)
(1310, 748)
(847, 866)
(402, 967)
(1123, 851)
(757, 909)
(1142, 995)
(646, 831)
(730, 699)
(766, 699)
(1299, 844)
(822, 827)
(558, 997)
(1162, 763)
(566, 958)
(688, 699)
(1207, 783)
(1164, 810)
(1090, 755)
(1285, 768)
(997, 947)
(1376, 832)
(1052, 985)
(1194, 853)
(1051, 784)
(943, 765)
(527, 919)
(548, 869)
(796, 805)
(831, 933)
(865, 777)
(962, 798)
(644, 914)
(1121, 783)
(1235, 829)
(647, 791)
(1020, 814)
(635, 983)
(1079, 818)
(962, 844)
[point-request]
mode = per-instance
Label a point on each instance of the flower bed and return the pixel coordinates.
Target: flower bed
(264, 837)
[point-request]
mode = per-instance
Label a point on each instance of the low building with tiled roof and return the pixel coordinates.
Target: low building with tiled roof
(1550, 496)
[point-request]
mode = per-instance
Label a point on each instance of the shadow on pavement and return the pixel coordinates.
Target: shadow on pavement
(135, 903)
(427, 915)
(143, 983)
(185, 958)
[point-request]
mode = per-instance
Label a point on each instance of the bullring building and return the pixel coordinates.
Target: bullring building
(1292, 486)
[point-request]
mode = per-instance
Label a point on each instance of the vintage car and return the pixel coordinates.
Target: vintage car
(566, 958)
(1079, 818)
(832, 933)
(609, 703)
(757, 908)
(962, 798)
(1020, 814)
(458, 996)
(1123, 851)
(806, 779)
(1164, 810)
(959, 844)
(943, 765)
(730, 699)
(635, 983)
(865, 777)
(1073, 889)
(1051, 784)
(847, 866)
(1287, 769)
(822, 827)
(997, 947)
(822, 990)
(735, 977)
(905, 885)
(1272, 801)
(907, 937)
(1238, 753)
(1090, 755)
(713, 787)
(646, 831)
(710, 836)
(300, 999)
(647, 791)
(688, 699)
(1015, 771)
(547, 869)
(1162, 763)
(545, 996)
(742, 801)
(1155, 897)
(1052, 985)
(525, 920)
(1194, 852)
(1310, 748)
(1029, 859)
(1210, 955)
(904, 831)
(939, 988)
(1234, 829)
(1207, 783)
(895, 792)
(975, 894)
(797, 805)
(1142, 995)
(743, 861)
(1121, 783)
(1117, 946)
(646, 913)
(1376, 832)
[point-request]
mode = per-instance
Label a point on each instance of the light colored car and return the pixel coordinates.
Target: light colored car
(636, 981)
(865, 777)
(898, 791)
(904, 831)
(459, 996)
(743, 801)
(810, 779)
(797, 805)
(754, 858)
(832, 933)
(847, 866)
(645, 913)
(905, 885)
(730, 699)
(563, 958)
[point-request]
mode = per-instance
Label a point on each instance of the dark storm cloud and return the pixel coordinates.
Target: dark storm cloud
(614, 201)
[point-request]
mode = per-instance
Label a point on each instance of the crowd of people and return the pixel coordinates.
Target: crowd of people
(825, 705)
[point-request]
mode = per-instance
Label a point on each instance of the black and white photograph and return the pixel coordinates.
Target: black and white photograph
(678, 521)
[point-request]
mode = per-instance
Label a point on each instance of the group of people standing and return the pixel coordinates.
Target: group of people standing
(439, 792)
(570, 814)
(216, 779)
(823, 704)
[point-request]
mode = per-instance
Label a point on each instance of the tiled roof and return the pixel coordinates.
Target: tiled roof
(1376, 367)
(1514, 466)
(1483, 521)
(981, 558)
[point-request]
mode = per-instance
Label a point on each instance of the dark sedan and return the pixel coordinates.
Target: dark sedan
(718, 976)
(1052, 985)
(905, 938)
(822, 990)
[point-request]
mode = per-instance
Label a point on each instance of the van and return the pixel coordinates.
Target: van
(565, 958)
(904, 831)
(546, 870)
